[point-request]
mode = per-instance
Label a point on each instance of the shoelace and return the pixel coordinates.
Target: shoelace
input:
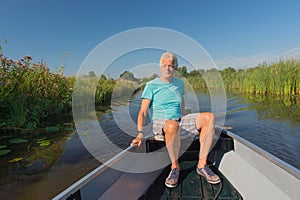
(208, 171)
(173, 174)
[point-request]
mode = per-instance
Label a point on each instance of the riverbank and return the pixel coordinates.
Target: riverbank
(31, 95)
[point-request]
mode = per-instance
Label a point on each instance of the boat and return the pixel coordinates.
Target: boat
(246, 172)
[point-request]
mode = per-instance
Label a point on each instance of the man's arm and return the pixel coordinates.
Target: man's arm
(140, 122)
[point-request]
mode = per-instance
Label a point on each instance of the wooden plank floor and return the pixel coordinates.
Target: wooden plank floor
(191, 186)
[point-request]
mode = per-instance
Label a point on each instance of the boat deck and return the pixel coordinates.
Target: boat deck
(192, 186)
(113, 184)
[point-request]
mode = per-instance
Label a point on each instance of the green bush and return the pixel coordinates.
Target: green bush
(30, 93)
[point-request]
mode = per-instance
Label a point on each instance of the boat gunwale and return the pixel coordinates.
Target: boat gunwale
(270, 157)
(87, 178)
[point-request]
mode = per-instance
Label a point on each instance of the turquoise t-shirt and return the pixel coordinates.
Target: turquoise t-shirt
(166, 98)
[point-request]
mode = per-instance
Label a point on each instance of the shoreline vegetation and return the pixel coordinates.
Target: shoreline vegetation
(30, 95)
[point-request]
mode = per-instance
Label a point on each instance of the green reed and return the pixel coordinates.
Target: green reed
(280, 78)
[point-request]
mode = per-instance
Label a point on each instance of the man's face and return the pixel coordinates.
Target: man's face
(167, 68)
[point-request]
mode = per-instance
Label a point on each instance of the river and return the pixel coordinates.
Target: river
(271, 123)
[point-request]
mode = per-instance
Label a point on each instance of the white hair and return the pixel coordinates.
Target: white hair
(170, 56)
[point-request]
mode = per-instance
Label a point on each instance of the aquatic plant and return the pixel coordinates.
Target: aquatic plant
(280, 78)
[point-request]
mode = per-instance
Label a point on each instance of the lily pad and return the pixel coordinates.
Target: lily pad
(17, 141)
(15, 160)
(67, 138)
(4, 152)
(51, 129)
(3, 146)
(44, 143)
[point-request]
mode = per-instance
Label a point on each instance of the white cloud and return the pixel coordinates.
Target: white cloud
(256, 59)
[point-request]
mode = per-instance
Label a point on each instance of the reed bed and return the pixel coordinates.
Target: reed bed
(280, 78)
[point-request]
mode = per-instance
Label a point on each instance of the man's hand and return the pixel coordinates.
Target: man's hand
(137, 141)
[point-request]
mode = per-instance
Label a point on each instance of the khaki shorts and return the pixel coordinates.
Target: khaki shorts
(187, 125)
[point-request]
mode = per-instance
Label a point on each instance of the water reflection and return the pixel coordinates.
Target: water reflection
(272, 123)
(277, 108)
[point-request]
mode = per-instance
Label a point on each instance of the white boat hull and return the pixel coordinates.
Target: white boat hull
(257, 174)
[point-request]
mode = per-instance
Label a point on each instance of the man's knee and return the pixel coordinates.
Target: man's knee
(211, 117)
(207, 117)
(171, 127)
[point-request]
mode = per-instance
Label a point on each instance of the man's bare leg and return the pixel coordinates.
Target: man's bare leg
(172, 138)
(205, 122)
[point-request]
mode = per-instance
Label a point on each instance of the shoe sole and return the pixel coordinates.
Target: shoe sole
(170, 186)
(211, 182)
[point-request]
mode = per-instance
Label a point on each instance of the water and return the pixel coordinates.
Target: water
(271, 123)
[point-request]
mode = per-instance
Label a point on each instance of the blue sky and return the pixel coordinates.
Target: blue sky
(235, 33)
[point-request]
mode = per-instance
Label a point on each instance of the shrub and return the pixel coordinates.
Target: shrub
(30, 93)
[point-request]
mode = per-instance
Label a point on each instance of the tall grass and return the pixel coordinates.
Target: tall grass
(104, 90)
(30, 93)
(124, 89)
(280, 78)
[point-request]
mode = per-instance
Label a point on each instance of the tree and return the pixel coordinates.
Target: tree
(92, 74)
(127, 76)
(103, 77)
(229, 71)
(183, 70)
(199, 72)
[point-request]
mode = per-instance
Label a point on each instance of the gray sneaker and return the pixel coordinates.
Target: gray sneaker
(172, 179)
(209, 175)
